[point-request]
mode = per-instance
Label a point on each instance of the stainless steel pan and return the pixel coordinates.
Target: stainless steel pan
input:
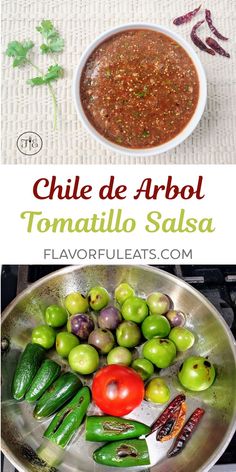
(21, 434)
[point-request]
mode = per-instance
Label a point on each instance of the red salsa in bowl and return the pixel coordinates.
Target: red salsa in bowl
(139, 88)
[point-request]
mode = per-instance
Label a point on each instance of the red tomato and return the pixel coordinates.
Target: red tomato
(117, 390)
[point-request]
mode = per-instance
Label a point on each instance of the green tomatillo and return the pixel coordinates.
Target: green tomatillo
(134, 309)
(155, 325)
(161, 352)
(196, 373)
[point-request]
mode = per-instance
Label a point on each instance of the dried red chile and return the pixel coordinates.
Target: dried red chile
(217, 48)
(214, 47)
(168, 412)
(197, 41)
(186, 432)
(212, 27)
(187, 17)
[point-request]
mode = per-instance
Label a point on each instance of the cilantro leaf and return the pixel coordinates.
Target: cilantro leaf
(53, 41)
(19, 52)
(36, 81)
(53, 73)
(56, 45)
(46, 28)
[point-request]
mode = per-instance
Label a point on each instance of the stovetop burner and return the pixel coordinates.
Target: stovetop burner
(216, 283)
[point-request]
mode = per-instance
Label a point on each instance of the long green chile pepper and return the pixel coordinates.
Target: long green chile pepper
(27, 367)
(60, 392)
(67, 421)
(126, 453)
(47, 373)
(112, 428)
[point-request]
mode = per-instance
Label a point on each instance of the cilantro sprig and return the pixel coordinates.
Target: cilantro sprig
(53, 41)
(20, 53)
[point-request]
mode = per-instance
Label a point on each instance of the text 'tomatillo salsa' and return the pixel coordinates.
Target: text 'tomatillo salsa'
(139, 88)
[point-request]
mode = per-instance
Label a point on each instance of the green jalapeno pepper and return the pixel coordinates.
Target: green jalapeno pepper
(67, 421)
(112, 428)
(126, 453)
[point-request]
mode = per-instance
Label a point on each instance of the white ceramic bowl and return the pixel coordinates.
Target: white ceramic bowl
(188, 128)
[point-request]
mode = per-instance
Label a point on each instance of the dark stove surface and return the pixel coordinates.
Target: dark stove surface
(216, 283)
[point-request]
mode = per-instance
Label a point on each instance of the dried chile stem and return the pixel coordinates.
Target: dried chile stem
(212, 27)
(186, 432)
(197, 41)
(186, 17)
(217, 48)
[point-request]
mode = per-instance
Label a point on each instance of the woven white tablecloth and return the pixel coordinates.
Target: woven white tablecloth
(79, 22)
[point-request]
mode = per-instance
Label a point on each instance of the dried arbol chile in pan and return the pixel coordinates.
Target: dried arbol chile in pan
(186, 432)
(167, 414)
(187, 17)
(197, 41)
(217, 48)
(173, 426)
(212, 27)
